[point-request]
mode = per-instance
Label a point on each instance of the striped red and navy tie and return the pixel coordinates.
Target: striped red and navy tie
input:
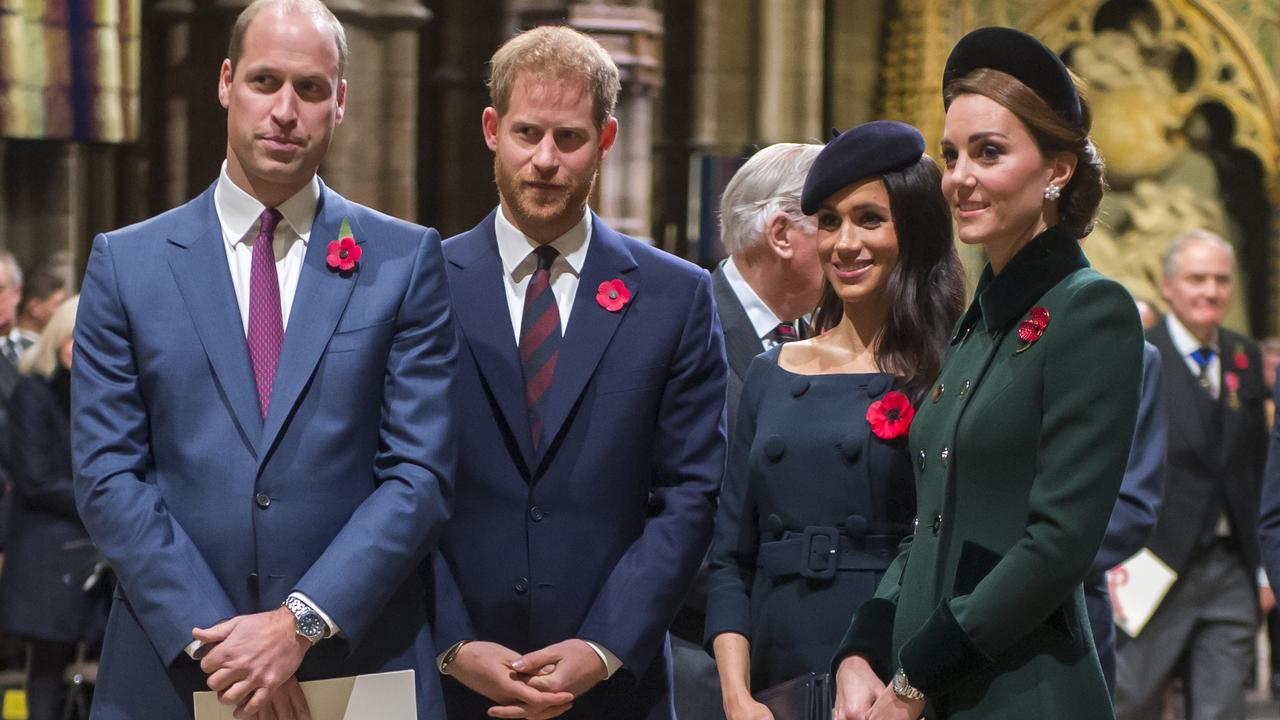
(539, 339)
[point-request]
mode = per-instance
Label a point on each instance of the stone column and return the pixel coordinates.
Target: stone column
(373, 159)
(853, 62)
(725, 91)
(633, 36)
(790, 72)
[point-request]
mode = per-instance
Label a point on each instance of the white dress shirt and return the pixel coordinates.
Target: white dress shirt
(518, 263)
(239, 214)
(1186, 344)
(763, 321)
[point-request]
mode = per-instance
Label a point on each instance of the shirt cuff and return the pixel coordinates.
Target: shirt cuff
(193, 649)
(331, 627)
(1263, 582)
(611, 662)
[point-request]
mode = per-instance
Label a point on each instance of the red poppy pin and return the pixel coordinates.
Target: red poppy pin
(1241, 358)
(1033, 327)
(1232, 381)
(890, 416)
(344, 253)
(612, 295)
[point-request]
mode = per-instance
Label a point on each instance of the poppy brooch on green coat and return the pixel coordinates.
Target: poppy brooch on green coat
(890, 417)
(1032, 329)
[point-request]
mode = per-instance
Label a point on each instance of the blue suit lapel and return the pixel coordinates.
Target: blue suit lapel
(318, 304)
(198, 260)
(591, 326)
(480, 306)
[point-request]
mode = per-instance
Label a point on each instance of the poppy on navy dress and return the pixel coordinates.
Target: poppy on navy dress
(612, 295)
(343, 253)
(890, 417)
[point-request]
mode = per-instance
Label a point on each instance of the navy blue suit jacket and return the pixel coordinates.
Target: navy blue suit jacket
(206, 510)
(598, 534)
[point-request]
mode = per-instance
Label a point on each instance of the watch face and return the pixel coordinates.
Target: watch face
(310, 625)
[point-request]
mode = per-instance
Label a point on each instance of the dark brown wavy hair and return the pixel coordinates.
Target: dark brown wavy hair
(1078, 203)
(926, 287)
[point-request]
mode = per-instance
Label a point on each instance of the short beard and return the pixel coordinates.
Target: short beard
(531, 217)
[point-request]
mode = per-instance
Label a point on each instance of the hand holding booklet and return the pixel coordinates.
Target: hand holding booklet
(383, 696)
(1137, 587)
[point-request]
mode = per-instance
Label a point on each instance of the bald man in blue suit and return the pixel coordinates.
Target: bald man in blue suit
(263, 444)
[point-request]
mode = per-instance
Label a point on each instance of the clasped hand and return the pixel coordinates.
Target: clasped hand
(536, 686)
(251, 661)
(861, 696)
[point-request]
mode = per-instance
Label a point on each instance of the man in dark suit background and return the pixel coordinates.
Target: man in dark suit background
(1206, 530)
(262, 441)
(592, 389)
(1134, 517)
(763, 290)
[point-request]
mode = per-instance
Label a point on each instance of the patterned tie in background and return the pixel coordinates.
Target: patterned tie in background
(539, 339)
(10, 349)
(266, 328)
(785, 332)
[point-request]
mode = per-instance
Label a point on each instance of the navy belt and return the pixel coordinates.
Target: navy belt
(819, 552)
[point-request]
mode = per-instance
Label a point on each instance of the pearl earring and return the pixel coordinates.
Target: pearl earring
(1052, 192)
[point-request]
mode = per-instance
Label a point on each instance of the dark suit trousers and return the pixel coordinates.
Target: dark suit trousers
(1210, 617)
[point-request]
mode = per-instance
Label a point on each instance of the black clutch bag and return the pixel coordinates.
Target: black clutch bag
(808, 697)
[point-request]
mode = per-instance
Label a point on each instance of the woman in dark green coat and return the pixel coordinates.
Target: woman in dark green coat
(1021, 444)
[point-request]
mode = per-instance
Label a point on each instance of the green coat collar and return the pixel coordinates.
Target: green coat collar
(1044, 262)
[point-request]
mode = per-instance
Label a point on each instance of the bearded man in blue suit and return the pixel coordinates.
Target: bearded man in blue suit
(591, 384)
(262, 440)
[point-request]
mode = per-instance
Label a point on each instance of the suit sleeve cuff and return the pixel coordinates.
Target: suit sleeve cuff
(871, 636)
(611, 662)
(331, 626)
(941, 655)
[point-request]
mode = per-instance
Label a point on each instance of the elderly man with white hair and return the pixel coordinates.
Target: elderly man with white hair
(763, 290)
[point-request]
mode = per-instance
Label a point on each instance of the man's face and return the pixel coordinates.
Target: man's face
(10, 294)
(1199, 287)
(37, 311)
(283, 100)
(547, 151)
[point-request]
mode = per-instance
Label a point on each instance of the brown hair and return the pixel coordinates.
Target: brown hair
(555, 52)
(1079, 200)
(925, 288)
(315, 8)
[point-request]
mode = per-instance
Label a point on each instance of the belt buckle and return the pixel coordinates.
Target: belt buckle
(821, 548)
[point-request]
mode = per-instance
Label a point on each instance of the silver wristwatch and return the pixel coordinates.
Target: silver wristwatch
(903, 688)
(306, 622)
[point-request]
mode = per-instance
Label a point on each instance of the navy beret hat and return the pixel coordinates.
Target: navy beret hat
(1022, 56)
(868, 150)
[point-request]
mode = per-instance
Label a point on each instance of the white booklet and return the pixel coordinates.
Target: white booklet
(384, 696)
(1137, 587)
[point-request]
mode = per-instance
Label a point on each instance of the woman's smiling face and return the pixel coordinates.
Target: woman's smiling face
(857, 242)
(995, 175)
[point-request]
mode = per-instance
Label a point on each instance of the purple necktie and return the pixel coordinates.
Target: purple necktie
(266, 329)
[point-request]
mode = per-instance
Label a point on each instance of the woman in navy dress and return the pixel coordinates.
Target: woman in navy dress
(49, 555)
(818, 488)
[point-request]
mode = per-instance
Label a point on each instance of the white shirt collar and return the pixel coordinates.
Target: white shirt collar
(1184, 341)
(515, 248)
(238, 211)
(763, 321)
